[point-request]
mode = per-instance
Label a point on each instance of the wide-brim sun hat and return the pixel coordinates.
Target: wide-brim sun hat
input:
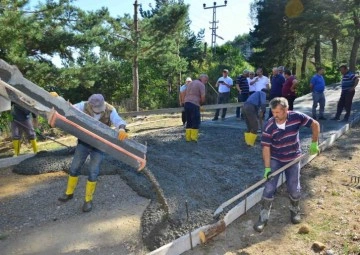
(97, 103)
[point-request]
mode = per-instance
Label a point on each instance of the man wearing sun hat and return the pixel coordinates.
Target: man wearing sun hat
(100, 110)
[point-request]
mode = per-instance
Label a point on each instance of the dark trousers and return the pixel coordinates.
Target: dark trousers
(250, 113)
(345, 101)
(223, 98)
(241, 98)
(192, 112)
(292, 180)
(291, 100)
(183, 117)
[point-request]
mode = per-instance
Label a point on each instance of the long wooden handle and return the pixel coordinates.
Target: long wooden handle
(256, 185)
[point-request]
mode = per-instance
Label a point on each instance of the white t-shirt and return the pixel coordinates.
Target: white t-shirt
(261, 83)
(251, 87)
(223, 88)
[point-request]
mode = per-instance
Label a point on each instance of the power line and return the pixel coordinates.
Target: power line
(213, 23)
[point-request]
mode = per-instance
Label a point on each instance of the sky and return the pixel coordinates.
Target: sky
(233, 19)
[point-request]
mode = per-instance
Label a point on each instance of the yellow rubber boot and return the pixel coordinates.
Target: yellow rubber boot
(246, 136)
(194, 134)
(16, 144)
(70, 188)
(188, 134)
(34, 145)
(252, 139)
(90, 189)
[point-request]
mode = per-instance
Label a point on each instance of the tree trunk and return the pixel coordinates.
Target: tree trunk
(304, 60)
(135, 83)
(353, 55)
(356, 43)
(317, 51)
(334, 53)
(304, 57)
(135, 70)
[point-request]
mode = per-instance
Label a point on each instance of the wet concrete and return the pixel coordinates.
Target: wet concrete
(204, 174)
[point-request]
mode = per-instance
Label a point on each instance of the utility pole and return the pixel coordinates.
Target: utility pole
(214, 22)
(136, 59)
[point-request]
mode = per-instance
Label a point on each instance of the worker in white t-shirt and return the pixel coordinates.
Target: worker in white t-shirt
(260, 82)
(224, 85)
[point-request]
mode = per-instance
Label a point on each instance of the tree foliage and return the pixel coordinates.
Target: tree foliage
(319, 35)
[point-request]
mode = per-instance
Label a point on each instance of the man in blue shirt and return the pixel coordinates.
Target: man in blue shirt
(317, 86)
(253, 110)
(242, 85)
(277, 81)
(348, 84)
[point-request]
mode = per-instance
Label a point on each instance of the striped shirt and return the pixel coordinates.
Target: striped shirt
(243, 83)
(348, 81)
(285, 143)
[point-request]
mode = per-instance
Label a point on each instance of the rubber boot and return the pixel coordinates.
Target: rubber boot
(294, 211)
(34, 145)
(188, 135)
(252, 139)
(16, 144)
(246, 136)
(194, 135)
(264, 215)
(71, 185)
(90, 189)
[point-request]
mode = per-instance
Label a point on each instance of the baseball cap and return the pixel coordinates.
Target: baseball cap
(97, 103)
(188, 79)
(225, 71)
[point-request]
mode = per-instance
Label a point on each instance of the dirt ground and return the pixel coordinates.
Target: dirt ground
(204, 175)
(330, 210)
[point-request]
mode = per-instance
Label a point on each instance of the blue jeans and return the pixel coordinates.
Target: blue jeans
(292, 180)
(82, 151)
(318, 98)
(241, 98)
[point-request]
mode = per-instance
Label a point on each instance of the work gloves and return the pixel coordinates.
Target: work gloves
(37, 131)
(267, 172)
(314, 148)
(122, 134)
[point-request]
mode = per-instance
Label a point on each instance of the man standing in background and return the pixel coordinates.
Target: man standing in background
(260, 82)
(194, 98)
(348, 83)
(224, 84)
(242, 85)
(277, 81)
(181, 99)
(317, 86)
